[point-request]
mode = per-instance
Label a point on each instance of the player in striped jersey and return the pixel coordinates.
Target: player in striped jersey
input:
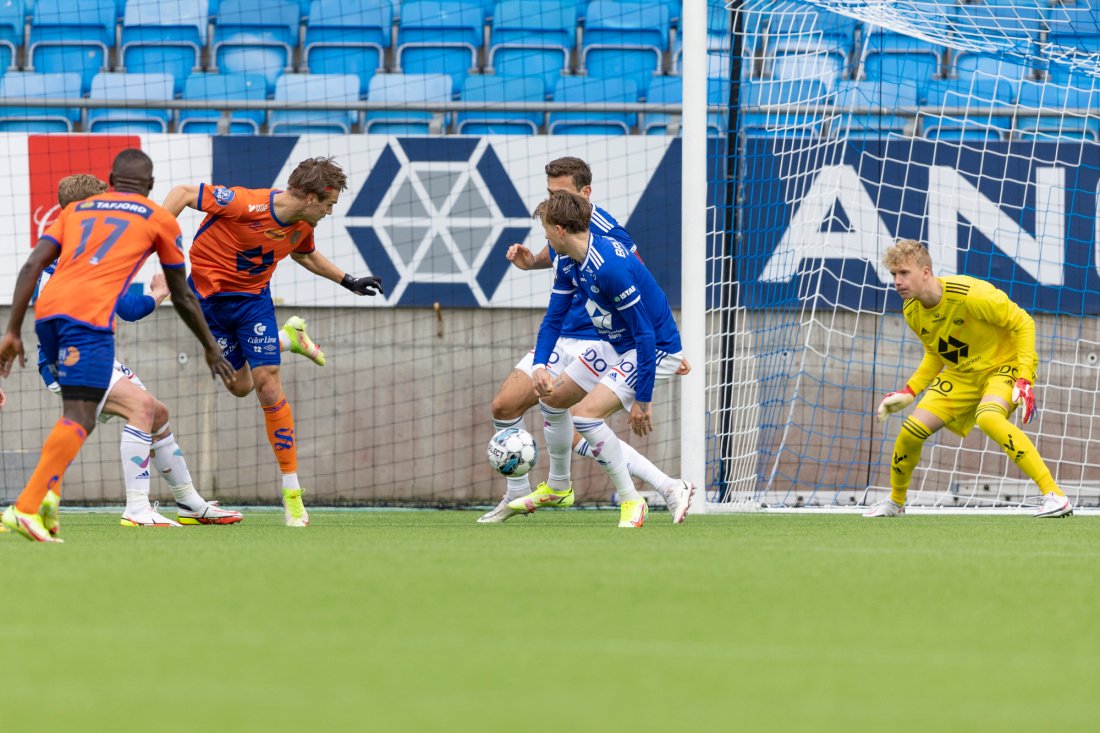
(579, 337)
(979, 364)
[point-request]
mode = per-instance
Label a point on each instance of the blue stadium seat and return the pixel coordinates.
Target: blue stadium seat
(256, 37)
(303, 6)
(579, 89)
(786, 119)
(625, 41)
(11, 31)
(988, 104)
(398, 88)
(223, 87)
(1072, 30)
(662, 90)
(439, 36)
(1045, 110)
(64, 41)
(803, 41)
(882, 98)
(164, 36)
(894, 57)
(533, 37)
(113, 85)
(501, 89)
(1017, 28)
(968, 65)
(718, 93)
(348, 40)
(315, 88)
(39, 119)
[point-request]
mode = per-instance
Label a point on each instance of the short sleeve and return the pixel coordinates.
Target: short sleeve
(222, 201)
(307, 246)
(56, 231)
(169, 242)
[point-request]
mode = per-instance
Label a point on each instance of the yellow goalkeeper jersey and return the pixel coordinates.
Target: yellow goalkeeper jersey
(974, 329)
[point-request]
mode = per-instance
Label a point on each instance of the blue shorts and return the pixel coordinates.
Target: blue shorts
(245, 327)
(78, 355)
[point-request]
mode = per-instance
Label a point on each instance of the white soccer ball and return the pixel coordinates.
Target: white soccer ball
(512, 452)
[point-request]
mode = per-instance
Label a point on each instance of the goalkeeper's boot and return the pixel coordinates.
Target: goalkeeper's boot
(1054, 505)
(885, 508)
(300, 342)
(147, 517)
(633, 513)
(500, 513)
(208, 513)
(294, 511)
(678, 499)
(48, 511)
(543, 496)
(28, 525)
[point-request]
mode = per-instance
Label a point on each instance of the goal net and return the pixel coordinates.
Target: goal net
(848, 124)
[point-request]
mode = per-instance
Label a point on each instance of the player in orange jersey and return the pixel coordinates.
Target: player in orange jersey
(100, 243)
(245, 234)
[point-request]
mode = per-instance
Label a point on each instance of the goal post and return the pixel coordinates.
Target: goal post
(970, 127)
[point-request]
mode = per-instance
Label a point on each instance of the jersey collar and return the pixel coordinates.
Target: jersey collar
(271, 206)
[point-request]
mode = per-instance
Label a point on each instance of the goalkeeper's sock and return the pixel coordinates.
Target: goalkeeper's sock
(638, 465)
(607, 449)
(280, 433)
(992, 419)
(558, 429)
(517, 486)
(134, 447)
(907, 450)
(59, 450)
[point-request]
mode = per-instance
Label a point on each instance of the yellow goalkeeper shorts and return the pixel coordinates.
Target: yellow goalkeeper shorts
(954, 397)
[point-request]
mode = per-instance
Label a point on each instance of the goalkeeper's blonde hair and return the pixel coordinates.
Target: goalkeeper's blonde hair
(907, 250)
(78, 187)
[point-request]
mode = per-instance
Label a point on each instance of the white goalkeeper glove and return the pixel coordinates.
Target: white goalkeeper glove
(1022, 394)
(895, 401)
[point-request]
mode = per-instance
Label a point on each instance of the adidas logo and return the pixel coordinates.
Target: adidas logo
(143, 474)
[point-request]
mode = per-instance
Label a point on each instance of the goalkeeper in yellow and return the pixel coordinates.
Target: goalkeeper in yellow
(979, 364)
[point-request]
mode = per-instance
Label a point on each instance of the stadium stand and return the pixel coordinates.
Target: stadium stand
(780, 94)
(501, 89)
(39, 119)
(588, 89)
(533, 37)
(255, 37)
(400, 88)
(164, 36)
(439, 36)
(315, 88)
(891, 57)
(996, 96)
(625, 41)
(663, 90)
(884, 97)
(114, 85)
(63, 41)
(11, 32)
(223, 87)
(1036, 98)
(348, 39)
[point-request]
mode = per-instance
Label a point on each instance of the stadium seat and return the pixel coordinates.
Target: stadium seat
(968, 65)
(11, 32)
(803, 42)
(255, 37)
(663, 90)
(501, 89)
(895, 57)
(987, 103)
(439, 36)
(533, 37)
(303, 6)
(882, 99)
(1072, 31)
(580, 90)
(1009, 28)
(64, 41)
(114, 85)
(718, 94)
(1053, 111)
(223, 87)
(39, 119)
(343, 39)
(164, 36)
(315, 88)
(785, 119)
(625, 41)
(398, 88)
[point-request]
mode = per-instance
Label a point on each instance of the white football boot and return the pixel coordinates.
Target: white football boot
(1054, 506)
(498, 514)
(885, 508)
(678, 499)
(147, 517)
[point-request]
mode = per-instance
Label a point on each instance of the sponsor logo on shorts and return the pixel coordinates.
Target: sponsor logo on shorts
(259, 329)
(223, 195)
(69, 356)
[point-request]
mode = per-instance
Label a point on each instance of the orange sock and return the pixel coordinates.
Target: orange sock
(280, 432)
(61, 447)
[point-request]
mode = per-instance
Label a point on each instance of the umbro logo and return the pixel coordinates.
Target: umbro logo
(952, 349)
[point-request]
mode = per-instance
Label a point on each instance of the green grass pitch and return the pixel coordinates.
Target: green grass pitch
(425, 621)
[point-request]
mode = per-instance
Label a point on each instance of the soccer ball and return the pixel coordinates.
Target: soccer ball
(512, 452)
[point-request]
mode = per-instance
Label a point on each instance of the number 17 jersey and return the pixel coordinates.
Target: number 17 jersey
(240, 241)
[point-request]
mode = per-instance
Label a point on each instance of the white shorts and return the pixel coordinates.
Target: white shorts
(618, 372)
(120, 372)
(566, 350)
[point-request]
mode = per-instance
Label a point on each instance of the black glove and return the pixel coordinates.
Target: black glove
(362, 285)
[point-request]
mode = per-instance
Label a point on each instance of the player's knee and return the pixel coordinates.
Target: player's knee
(911, 437)
(505, 407)
(989, 415)
(160, 414)
(240, 389)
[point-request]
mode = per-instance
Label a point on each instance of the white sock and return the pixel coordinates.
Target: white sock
(134, 448)
(517, 486)
(290, 481)
(607, 449)
(169, 462)
(638, 465)
(284, 340)
(557, 426)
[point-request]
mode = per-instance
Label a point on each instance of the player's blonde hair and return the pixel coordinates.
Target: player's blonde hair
(907, 250)
(317, 176)
(78, 187)
(569, 210)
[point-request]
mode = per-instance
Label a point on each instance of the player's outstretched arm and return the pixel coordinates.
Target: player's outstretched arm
(11, 344)
(180, 197)
(187, 306)
(524, 259)
(322, 266)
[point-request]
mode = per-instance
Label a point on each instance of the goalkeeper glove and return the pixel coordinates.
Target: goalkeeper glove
(1022, 393)
(895, 401)
(362, 285)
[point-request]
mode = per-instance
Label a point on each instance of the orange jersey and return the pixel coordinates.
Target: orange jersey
(240, 240)
(104, 241)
